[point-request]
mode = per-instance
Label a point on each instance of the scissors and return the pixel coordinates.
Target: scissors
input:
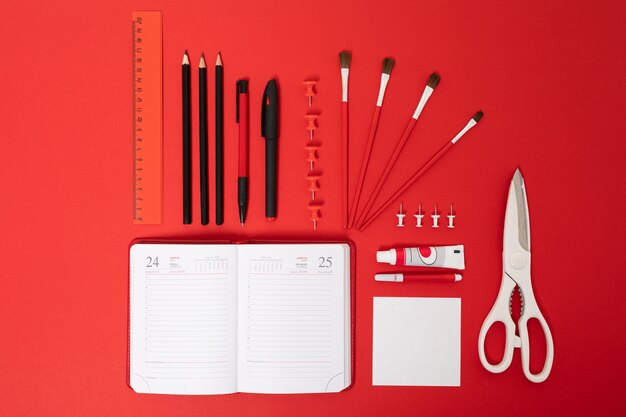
(516, 273)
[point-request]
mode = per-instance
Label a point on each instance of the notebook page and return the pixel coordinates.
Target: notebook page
(183, 318)
(292, 318)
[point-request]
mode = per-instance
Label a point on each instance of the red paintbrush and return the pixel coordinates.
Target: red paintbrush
(345, 58)
(384, 79)
(423, 169)
(433, 81)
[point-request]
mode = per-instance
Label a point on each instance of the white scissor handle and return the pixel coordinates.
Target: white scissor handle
(531, 311)
(500, 313)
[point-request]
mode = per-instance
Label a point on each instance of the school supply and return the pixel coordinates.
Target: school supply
(311, 155)
(225, 318)
(516, 273)
(242, 121)
(429, 163)
(310, 90)
(432, 83)
(449, 257)
(416, 341)
(147, 117)
(186, 92)
(419, 216)
(400, 215)
(219, 140)
(314, 210)
(404, 276)
(313, 184)
(310, 124)
(269, 130)
(345, 58)
(388, 64)
(451, 218)
(202, 109)
(435, 216)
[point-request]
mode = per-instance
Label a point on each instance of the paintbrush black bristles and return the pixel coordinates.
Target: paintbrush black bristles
(345, 58)
(433, 80)
(478, 116)
(388, 65)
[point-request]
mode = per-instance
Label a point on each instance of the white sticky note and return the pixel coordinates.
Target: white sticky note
(417, 341)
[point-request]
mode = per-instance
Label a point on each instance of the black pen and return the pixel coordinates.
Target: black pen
(269, 130)
(242, 121)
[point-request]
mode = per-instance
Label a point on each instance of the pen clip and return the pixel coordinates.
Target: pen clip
(263, 113)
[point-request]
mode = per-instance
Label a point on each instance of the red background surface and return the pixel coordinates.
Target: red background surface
(548, 75)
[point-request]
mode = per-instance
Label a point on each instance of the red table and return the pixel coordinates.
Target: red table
(548, 75)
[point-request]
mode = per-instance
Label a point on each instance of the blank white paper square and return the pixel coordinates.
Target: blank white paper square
(417, 341)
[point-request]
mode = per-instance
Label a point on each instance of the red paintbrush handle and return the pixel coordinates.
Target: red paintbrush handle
(408, 183)
(344, 168)
(383, 177)
(364, 165)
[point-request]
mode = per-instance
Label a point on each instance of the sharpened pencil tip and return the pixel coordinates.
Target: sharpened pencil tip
(202, 61)
(218, 61)
(185, 58)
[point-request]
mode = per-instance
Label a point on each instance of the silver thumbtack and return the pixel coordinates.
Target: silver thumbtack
(419, 216)
(451, 217)
(435, 218)
(400, 217)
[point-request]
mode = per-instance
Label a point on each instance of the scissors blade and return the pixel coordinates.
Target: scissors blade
(516, 222)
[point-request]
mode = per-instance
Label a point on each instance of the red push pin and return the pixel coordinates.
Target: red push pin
(310, 118)
(310, 90)
(311, 155)
(315, 215)
(312, 179)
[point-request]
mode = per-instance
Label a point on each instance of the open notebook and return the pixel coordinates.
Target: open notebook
(218, 319)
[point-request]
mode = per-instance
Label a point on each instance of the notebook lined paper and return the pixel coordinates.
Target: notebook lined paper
(210, 319)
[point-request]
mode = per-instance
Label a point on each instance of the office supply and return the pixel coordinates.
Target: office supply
(310, 90)
(345, 58)
(400, 215)
(186, 87)
(242, 121)
(451, 218)
(449, 257)
(313, 187)
(223, 318)
(219, 140)
(147, 118)
(429, 163)
(435, 216)
(311, 155)
(310, 124)
(269, 130)
(419, 216)
(516, 273)
(202, 109)
(402, 276)
(314, 210)
(416, 341)
(388, 64)
(432, 83)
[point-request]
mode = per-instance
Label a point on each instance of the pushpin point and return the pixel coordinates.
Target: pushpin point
(315, 216)
(310, 90)
(400, 217)
(419, 216)
(311, 155)
(451, 217)
(310, 118)
(435, 218)
(312, 179)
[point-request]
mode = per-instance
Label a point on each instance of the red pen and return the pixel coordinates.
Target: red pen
(242, 121)
(401, 277)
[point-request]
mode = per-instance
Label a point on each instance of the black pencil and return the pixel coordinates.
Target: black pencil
(219, 141)
(186, 140)
(204, 192)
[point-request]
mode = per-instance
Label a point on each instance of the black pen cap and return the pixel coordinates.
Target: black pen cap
(269, 111)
